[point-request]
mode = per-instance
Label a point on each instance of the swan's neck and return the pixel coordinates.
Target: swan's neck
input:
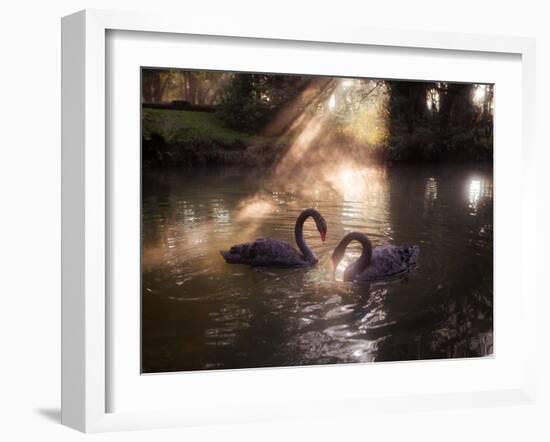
(361, 263)
(308, 254)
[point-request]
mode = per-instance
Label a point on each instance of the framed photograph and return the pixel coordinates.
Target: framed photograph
(264, 223)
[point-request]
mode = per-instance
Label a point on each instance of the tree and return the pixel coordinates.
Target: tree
(457, 107)
(154, 84)
(251, 100)
(407, 104)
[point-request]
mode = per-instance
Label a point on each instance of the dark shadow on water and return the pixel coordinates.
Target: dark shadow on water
(51, 414)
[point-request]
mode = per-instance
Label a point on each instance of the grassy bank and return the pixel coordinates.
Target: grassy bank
(179, 126)
(189, 138)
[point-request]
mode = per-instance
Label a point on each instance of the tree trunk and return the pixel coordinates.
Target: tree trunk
(457, 107)
(407, 104)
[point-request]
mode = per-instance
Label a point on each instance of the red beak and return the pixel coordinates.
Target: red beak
(323, 236)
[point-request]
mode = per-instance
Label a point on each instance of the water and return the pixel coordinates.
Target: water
(200, 313)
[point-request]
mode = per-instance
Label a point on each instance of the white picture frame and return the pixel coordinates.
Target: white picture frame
(86, 202)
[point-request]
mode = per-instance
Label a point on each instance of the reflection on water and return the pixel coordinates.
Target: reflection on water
(201, 313)
(478, 189)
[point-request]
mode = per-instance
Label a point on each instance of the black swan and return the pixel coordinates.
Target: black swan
(276, 253)
(375, 264)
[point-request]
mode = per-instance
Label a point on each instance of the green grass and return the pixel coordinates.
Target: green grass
(180, 126)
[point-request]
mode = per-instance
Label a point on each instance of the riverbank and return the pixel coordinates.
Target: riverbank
(189, 138)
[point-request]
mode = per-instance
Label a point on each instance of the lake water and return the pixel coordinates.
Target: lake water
(200, 313)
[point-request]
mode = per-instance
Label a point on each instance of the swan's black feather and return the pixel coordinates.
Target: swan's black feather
(264, 252)
(388, 261)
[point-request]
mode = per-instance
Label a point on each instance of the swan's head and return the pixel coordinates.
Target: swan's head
(319, 221)
(321, 227)
(411, 253)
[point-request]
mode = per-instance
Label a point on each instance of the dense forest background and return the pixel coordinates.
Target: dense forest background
(200, 118)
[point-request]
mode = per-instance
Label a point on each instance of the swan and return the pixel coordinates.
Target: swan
(375, 264)
(276, 253)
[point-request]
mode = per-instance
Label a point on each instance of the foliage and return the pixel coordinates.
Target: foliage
(389, 120)
(452, 127)
(252, 100)
(426, 143)
(195, 87)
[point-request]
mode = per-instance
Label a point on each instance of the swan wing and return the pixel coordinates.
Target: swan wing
(389, 261)
(264, 252)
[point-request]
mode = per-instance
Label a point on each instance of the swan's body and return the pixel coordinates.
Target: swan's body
(276, 253)
(374, 264)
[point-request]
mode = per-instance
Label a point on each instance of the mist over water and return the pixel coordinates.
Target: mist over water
(201, 313)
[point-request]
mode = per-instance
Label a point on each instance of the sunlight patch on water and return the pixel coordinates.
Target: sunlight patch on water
(479, 189)
(257, 206)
